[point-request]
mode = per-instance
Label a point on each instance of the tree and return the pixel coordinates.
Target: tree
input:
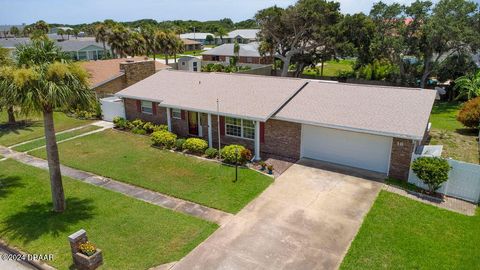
(468, 86)
(433, 171)
(102, 33)
(209, 39)
(220, 32)
(136, 44)
(5, 79)
(15, 31)
(236, 53)
(61, 32)
(42, 26)
(450, 30)
(76, 32)
(356, 33)
(119, 40)
(148, 33)
(178, 47)
(455, 66)
(43, 84)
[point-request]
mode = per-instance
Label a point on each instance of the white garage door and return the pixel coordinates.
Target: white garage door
(360, 150)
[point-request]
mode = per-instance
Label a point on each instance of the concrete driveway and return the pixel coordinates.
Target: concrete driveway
(305, 220)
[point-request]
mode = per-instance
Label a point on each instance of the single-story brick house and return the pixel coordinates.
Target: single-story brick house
(370, 127)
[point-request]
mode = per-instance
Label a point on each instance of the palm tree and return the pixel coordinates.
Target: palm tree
(101, 35)
(5, 78)
(221, 32)
(61, 32)
(236, 53)
(178, 46)
(136, 44)
(14, 31)
(119, 40)
(148, 34)
(69, 32)
(75, 32)
(45, 82)
(468, 86)
(42, 26)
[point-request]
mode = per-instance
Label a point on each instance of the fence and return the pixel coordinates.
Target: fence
(463, 181)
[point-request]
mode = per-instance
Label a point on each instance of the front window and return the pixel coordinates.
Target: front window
(147, 107)
(177, 113)
(240, 128)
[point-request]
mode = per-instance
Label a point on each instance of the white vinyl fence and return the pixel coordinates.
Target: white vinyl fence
(463, 181)
(111, 108)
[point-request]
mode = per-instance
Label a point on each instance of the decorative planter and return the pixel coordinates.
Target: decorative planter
(84, 262)
(270, 171)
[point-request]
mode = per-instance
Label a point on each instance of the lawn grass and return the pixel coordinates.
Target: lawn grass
(130, 158)
(332, 68)
(32, 128)
(400, 233)
(460, 145)
(60, 137)
(444, 116)
(402, 184)
(132, 234)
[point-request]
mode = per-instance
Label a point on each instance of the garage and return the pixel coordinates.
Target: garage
(360, 150)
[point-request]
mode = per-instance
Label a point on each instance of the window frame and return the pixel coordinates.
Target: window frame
(142, 107)
(242, 128)
(179, 113)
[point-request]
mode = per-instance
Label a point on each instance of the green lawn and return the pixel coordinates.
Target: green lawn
(130, 158)
(332, 68)
(132, 234)
(400, 233)
(171, 57)
(444, 116)
(33, 127)
(458, 142)
(60, 137)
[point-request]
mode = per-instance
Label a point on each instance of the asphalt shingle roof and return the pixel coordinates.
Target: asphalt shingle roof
(246, 50)
(391, 111)
(247, 96)
(244, 33)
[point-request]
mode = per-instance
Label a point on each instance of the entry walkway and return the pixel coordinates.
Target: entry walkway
(152, 197)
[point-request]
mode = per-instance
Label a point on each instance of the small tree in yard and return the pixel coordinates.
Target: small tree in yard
(433, 171)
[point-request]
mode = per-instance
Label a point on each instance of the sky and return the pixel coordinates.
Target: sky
(86, 11)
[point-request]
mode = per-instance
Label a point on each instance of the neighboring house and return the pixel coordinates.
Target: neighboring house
(5, 30)
(370, 127)
(200, 37)
(189, 63)
(108, 77)
(242, 36)
(78, 49)
(248, 54)
(192, 45)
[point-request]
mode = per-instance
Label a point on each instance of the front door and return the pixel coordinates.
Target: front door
(193, 123)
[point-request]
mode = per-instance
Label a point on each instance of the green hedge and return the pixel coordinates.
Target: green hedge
(164, 138)
(195, 145)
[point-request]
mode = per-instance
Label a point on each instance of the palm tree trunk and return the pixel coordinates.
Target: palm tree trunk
(11, 115)
(58, 197)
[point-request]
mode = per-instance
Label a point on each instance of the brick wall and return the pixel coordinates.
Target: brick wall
(111, 87)
(400, 159)
(137, 71)
(132, 113)
(282, 139)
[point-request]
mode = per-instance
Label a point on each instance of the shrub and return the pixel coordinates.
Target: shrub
(160, 128)
(128, 125)
(149, 127)
(211, 152)
(246, 154)
(119, 122)
(179, 144)
(230, 155)
(433, 171)
(469, 115)
(195, 145)
(138, 123)
(164, 138)
(139, 131)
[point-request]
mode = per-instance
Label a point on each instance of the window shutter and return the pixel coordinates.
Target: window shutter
(262, 132)
(222, 125)
(139, 106)
(154, 108)
(182, 113)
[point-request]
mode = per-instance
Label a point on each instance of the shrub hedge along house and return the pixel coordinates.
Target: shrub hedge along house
(369, 127)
